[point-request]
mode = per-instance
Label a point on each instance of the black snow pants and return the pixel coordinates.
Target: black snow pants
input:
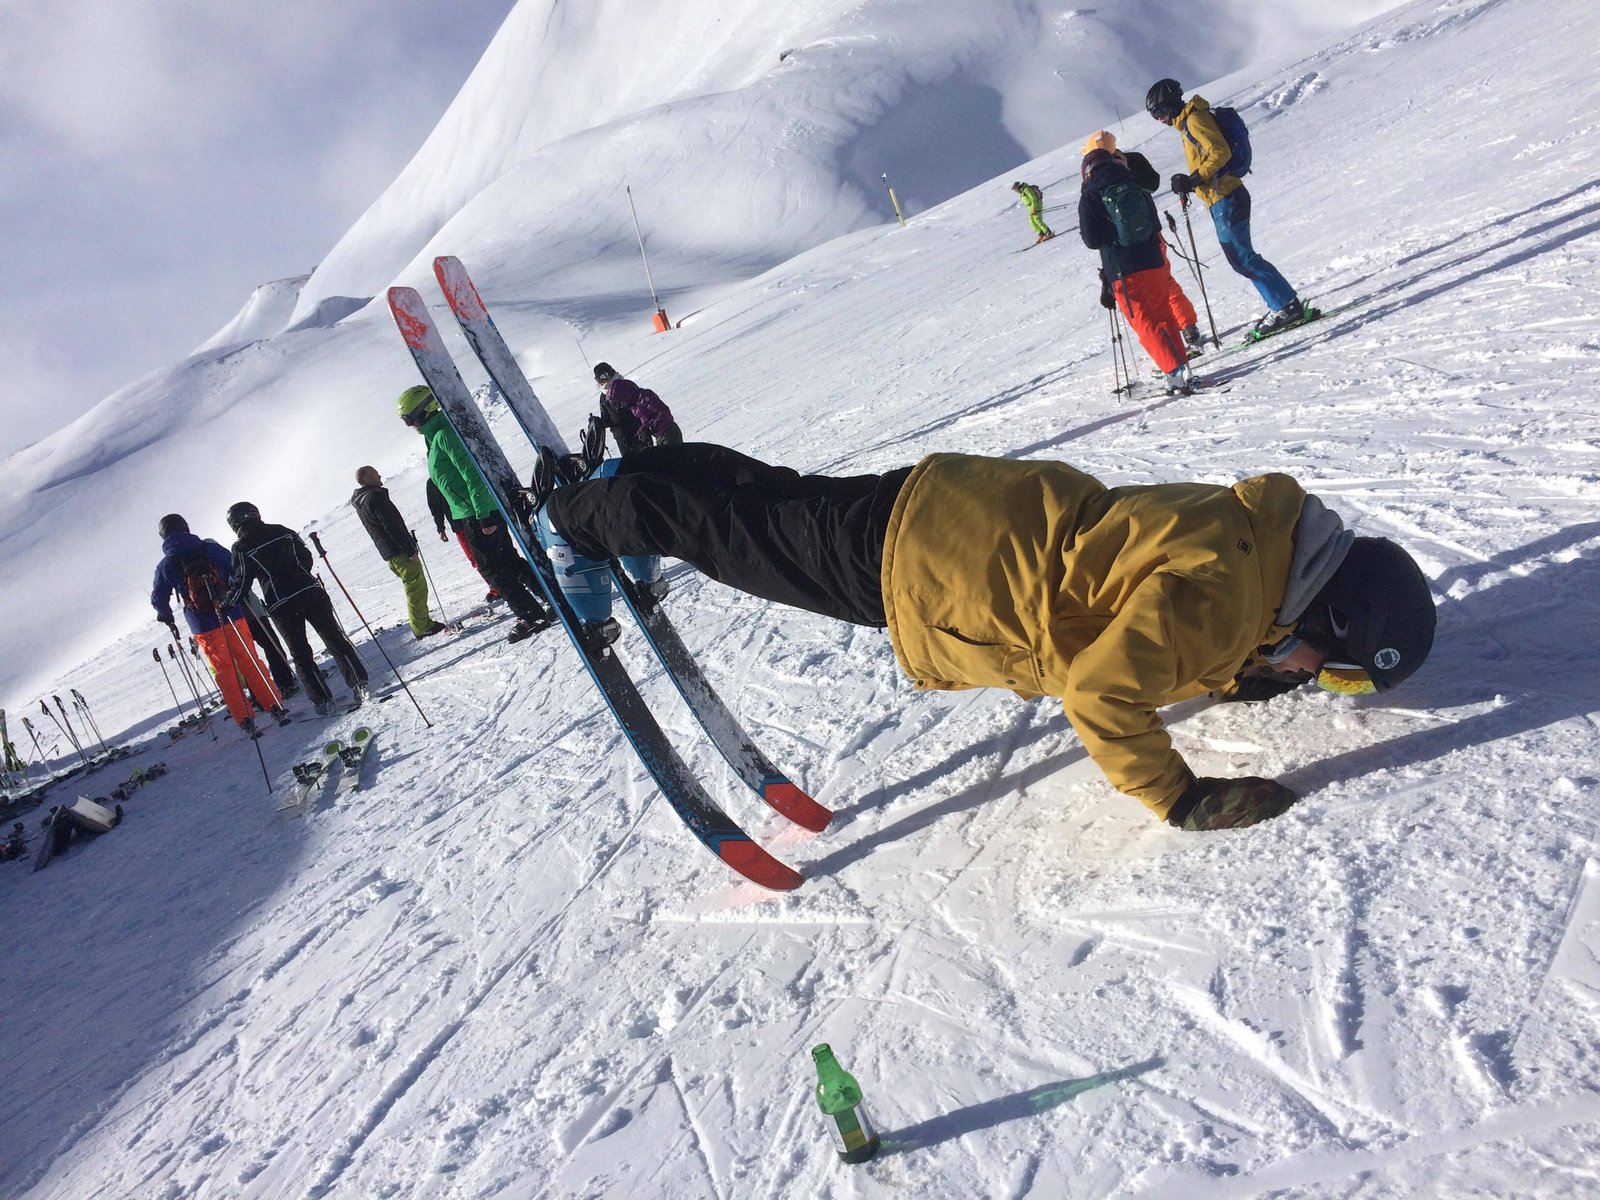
(809, 541)
(312, 607)
(506, 570)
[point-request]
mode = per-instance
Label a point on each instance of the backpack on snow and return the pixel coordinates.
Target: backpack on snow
(1132, 215)
(199, 581)
(1234, 132)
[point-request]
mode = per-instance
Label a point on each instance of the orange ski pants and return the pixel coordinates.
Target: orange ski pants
(231, 651)
(1182, 311)
(1145, 299)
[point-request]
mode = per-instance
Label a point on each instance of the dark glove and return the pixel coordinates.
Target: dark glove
(488, 526)
(1182, 185)
(1107, 300)
(1263, 683)
(172, 627)
(443, 536)
(1229, 803)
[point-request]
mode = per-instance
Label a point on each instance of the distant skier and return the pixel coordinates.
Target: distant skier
(397, 546)
(1147, 177)
(196, 572)
(466, 491)
(1118, 218)
(1034, 576)
(1215, 178)
(278, 559)
(1033, 201)
(439, 509)
(636, 416)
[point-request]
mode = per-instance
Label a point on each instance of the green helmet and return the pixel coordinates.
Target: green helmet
(417, 404)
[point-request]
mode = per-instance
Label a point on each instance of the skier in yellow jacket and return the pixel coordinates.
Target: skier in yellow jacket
(1036, 577)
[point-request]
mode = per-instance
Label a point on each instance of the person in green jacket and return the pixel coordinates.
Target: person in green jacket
(1033, 201)
(467, 494)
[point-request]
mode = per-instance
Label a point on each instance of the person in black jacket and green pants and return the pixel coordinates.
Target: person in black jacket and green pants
(397, 545)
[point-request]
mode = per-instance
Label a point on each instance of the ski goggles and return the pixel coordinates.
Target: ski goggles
(1340, 678)
(1345, 679)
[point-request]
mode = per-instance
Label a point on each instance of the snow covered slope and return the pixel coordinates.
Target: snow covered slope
(738, 159)
(502, 969)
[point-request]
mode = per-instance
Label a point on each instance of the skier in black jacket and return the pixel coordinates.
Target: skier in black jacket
(1147, 177)
(398, 546)
(275, 556)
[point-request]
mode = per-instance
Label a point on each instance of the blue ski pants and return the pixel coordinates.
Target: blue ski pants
(1231, 216)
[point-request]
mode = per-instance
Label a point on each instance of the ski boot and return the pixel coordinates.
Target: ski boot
(585, 582)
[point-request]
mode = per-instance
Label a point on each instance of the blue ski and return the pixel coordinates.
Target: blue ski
(688, 798)
(752, 766)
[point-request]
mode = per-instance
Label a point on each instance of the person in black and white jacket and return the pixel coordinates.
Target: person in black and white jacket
(277, 558)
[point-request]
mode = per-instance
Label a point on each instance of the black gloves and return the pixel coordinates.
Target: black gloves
(1229, 803)
(1182, 185)
(172, 627)
(1263, 683)
(1107, 300)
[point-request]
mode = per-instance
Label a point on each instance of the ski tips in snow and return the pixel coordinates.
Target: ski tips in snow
(800, 808)
(756, 865)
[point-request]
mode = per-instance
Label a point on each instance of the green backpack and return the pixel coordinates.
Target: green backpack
(1130, 211)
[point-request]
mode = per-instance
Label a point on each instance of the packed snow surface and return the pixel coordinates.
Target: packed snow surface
(503, 968)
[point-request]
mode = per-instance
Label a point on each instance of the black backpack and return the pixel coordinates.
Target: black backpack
(198, 582)
(1132, 215)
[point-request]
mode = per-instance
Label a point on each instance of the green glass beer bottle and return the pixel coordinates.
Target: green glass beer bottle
(839, 1097)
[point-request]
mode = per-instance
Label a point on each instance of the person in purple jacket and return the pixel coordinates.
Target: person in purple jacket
(635, 415)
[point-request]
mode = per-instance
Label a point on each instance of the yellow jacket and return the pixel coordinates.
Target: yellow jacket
(1036, 577)
(1205, 151)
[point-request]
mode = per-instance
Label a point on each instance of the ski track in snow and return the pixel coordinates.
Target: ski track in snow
(501, 968)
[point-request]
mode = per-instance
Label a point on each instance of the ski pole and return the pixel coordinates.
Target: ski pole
(1119, 352)
(182, 716)
(317, 542)
(38, 749)
(1116, 370)
(45, 708)
(234, 664)
(1195, 250)
(82, 705)
(432, 586)
(72, 734)
(188, 679)
(211, 681)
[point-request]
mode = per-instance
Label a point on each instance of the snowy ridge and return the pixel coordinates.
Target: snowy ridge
(502, 972)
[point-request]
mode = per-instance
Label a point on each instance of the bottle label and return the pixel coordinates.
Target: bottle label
(852, 1129)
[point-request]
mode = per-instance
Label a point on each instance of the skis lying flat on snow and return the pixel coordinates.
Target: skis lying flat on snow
(683, 791)
(721, 726)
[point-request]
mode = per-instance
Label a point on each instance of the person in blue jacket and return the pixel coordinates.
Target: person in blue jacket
(196, 572)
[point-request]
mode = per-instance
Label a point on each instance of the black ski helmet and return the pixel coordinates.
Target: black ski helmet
(1164, 100)
(170, 524)
(604, 372)
(242, 514)
(1376, 613)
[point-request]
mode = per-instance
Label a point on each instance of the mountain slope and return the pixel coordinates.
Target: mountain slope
(504, 970)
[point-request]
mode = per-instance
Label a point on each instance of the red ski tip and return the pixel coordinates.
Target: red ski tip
(797, 806)
(756, 865)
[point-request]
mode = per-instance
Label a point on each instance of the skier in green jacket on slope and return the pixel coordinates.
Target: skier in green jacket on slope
(1033, 201)
(467, 494)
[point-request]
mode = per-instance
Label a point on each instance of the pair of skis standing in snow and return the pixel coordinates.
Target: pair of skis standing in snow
(985, 572)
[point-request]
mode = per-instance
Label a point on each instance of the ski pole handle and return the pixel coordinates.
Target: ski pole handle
(317, 542)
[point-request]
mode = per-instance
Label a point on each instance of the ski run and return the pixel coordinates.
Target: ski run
(490, 957)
